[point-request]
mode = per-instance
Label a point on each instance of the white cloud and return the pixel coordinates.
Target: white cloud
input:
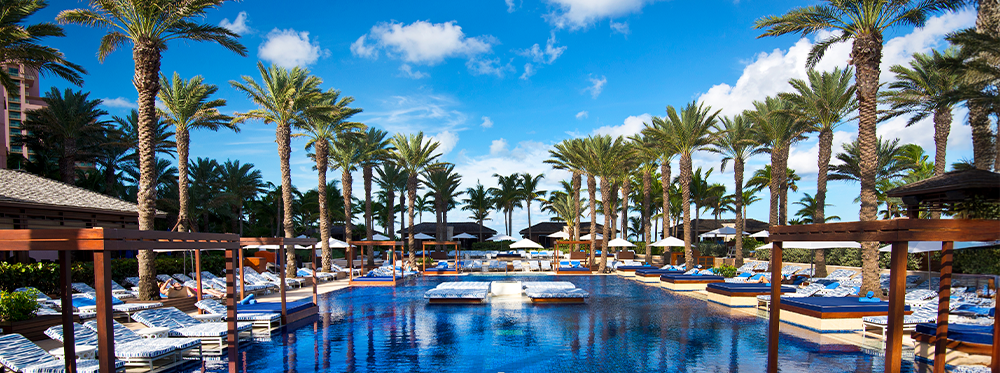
(510, 6)
(529, 70)
(620, 28)
(596, 86)
(498, 147)
(576, 14)
(421, 42)
(479, 66)
(582, 115)
(289, 48)
(630, 126)
(119, 103)
(447, 141)
(487, 122)
(423, 111)
(408, 72)
(238, 25)
(802, 157)
(546, 56)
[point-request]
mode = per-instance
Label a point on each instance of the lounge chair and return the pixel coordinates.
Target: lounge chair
(355, 271)
(545, 265)
(88, 301)
(534, 266)
(919, 297)
(184, 346)
(135, 353)
(260, 320)
(877, 325)
(321, 276)
(21, 355)
(764, 301)
(179, 324)
(182, 277)
(290, 282)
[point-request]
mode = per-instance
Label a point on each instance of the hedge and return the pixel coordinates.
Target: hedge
(968, 261)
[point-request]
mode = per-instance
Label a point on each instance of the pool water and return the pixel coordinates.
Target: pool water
(625, 326)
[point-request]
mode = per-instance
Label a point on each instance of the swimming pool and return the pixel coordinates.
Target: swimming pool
(624, 327)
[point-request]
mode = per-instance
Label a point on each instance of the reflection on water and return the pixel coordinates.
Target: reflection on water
(624, 327)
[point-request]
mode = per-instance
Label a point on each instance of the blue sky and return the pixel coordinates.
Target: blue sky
(499, 81)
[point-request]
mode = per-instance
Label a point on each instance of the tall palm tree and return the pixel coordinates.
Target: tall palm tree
(149, 25)
(345, 155)
(978, 75)
(683, 134)
(891, 161)
(863, 22)
(653, 131)
(735, 141)
(824, 102)
(609, 158)
(528, 187)
(392, 178)
(776, 131)
(442, 183)
(479, 203)
(507, 197)
(187, 106)
(374, 145)
(284, 98)
(71, 124)
(20, 44)
(413, 154)
(647, 155)
(566, 156)
(808, 211)
(241, 182)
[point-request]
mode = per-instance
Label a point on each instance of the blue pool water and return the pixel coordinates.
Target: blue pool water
(624, 327)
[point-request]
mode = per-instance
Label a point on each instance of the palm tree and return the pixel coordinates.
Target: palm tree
(345, 155)
(654, 131)
(241, 182)
(187, 106)
(808, 211)
(824, 102)
(285, 98)
(374, 146)
(20, 46)
(776, 131)
(566, 156)
(647, 154)
(71, 124)
(159, 138)
(762, 178)
(528, 186)
(891, 160)
(925, 89)
(735, 141)
(864, 22)
(442, 183)
(684, 134)
(413, 154)
(149, 25)
(390, 179)
(478, 201)
(506, 196)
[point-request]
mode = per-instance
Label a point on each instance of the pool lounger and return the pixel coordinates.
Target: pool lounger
(267, 320)
(739, 295)
(629, 270)
(134, 353)
(180, 324)
(459, 292)
(184, 346)
(556, 295)
(877, 326)
(653, 275)
(831, 314)
(21, 355)
(971, 344)
(688, 282)
(119, 308)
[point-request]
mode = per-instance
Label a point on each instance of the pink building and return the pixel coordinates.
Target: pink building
(16, 104)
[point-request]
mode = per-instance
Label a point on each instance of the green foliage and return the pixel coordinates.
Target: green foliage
(968, 261)
(726, 271)
(491, 245)
(17, 306)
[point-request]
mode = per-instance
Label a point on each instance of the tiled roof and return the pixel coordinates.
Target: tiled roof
(25, 188)
(460, 227)
(549, 227)
(988, 181)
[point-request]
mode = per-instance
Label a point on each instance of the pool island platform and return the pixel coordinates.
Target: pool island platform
(653, 275)
(831, 315)
(684, 282)
(740, 295)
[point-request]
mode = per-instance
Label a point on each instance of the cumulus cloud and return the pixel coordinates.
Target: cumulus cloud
(511, 7)
(423, 111)
(529, 70)
(447, 141)
(596, 86)
(408, 72)
(547, 55)
(491, 66)
(630, 126)
(421, 42)
(238, 25)
(582, 115)
(119, 103)
(498, 147)
(577, 14)
(620, 28)
(289, 48)
(487, 122)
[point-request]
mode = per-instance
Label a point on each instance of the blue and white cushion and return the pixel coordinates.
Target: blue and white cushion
(123, 335)
(80, 287)
(125, 350)
(180, 324)
(970, 369)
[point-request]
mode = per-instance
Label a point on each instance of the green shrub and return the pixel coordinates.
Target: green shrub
(492, 245)
(725, 270)
(18, 306)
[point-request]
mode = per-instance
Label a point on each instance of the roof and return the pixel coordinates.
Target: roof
(23, 188)
(459, 228)
(953, 186)
(706, 225)
(549, 227)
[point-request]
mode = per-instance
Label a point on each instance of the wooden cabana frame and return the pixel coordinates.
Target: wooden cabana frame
(281, 260)
(458, 252)
(392, 261)
(556, 252)
(898, 232)
(101, 242)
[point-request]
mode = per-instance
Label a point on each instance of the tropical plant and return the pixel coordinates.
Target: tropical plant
(807, 213)
(506, 196)
(413, 154)
(647, 155)
(374, 148)
(392, 178)
(479, 203)
(442, 183)
(608, 159)
(20, 44)
(528, 186)
(776, 131)
(566, 156)
(891, 166)
(241, 183)
(70, 124)
(735, 141)
(345, 155)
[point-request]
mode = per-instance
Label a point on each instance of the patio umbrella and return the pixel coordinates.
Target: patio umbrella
(464, 236)
(334, 244)
(586, 237)
(917, 247)
(379, 237)
(618, 242)
(668, 242)
(721, 232)
(560, 234)
(526, 244)
(761, 234)
(501, 237)
(421, 236)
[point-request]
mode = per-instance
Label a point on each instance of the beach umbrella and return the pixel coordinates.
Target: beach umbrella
(761, 234)
(334, 244)
(421, 236)
(721, 232)
(526, 244)
(815, 245)
(501, 237)
(668, 242)
(587, 237)
(464, 236)
(379, 237)
(618, 242)
(560, 234)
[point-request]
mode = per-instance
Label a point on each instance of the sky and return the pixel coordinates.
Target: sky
(498, 82)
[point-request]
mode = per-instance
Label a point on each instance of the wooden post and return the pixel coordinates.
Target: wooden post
(944, 296)
(66, 285)
(232, 338)
(315, 295)
(197, 273)
(239, 269)
(996, 338)
(775, 322)
(281, 281)
(897, 289)
(105, 327)
(393, 263)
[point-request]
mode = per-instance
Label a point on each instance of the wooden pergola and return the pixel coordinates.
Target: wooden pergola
(556, 252)
(282, 244)
(458, 250)
(898, 232)
(392, 256)
(101, 242)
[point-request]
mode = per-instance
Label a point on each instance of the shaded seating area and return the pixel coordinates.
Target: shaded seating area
(382, 276)
(740, 295)
(443, 267)
(21, 355)
(132, 353)
(180, 324)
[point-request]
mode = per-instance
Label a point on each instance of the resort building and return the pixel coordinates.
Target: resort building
(703, 226)
(541, 231)
(16, 104)
(453, 228)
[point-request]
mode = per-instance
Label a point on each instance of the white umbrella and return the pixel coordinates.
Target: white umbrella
(526, 244)
(560, 234)
(464, 235)
(379, 237)
(501, 237)
(421, 236)
(586, 237)
(721, 232)
(761, 234)
(334, 244)
(618, 242)
(668, 242)
(815, 245)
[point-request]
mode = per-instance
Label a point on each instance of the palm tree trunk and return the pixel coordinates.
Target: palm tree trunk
(284, 152)
(774, 186)
(67, 162)
(665, 182)
(575, 234)
(322, 154)
(606, 191)
(182, 138)
(390, 218)
(686, 208)
(369, 218)
(528, 202)
(147, 84)
(439, 217)
(348, 188)
(738, 178)
(982, 137)
(647, 186)
(626, 190)
(819, 215)
(866, 55)
(402, 210)
(942, 128)
(592, 191)
(411, 191)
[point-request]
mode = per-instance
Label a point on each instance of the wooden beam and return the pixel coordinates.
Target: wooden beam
(944, 297)
(105, 326)
(66, 294)
(897, 290)
(775, 321)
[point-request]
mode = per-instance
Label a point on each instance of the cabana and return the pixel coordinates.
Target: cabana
(101, 242)
(576, 270)
(300, 310)
(435, 271)
(371, 279)
(924, 196)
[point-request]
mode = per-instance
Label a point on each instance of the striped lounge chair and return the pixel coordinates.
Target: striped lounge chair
(120, 309)
(764, 301)
(259, 320)
(322, 276)
(135, 353)
(184, 346)
(877, 325)
(179, 324)
(21, 355)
